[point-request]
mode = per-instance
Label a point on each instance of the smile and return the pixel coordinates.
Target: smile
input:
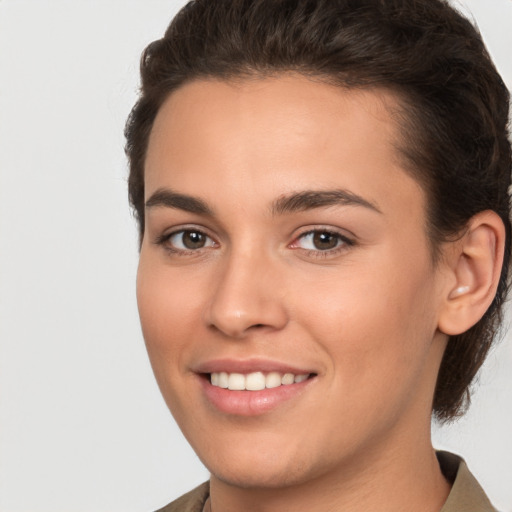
(255, 381)
(252, 387)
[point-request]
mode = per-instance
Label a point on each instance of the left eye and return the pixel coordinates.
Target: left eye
(189, 240)
(320, 241)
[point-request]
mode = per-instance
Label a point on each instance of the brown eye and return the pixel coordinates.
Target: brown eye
(193, 239)
(323, 240)
(190, 240)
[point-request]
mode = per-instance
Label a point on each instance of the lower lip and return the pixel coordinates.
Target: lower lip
(252, 403)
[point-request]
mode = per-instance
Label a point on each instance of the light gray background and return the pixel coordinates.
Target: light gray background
(82, 424)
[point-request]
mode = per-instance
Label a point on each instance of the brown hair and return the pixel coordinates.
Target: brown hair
(454, 108)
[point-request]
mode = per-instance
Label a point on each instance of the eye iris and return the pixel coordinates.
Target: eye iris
(324, 241)
(193, 240)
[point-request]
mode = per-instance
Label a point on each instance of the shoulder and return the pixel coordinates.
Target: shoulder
(193, 501)
(466, 493)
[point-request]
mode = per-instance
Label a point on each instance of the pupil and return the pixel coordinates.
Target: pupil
(325, 241)
(193, 240)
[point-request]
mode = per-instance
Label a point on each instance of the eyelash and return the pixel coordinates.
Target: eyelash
(164, 241)
(343, 243)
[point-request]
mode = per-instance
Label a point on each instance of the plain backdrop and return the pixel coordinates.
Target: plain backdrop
(82, 425)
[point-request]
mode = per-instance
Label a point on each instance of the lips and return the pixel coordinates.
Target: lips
(254, 387)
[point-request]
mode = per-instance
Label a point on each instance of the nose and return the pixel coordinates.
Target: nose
(246, 296)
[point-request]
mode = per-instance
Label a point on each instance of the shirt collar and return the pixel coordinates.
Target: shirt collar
(466, 493)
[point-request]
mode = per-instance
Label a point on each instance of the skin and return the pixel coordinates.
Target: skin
(364, 317)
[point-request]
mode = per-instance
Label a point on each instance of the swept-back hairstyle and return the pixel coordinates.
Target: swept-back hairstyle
(453, 112)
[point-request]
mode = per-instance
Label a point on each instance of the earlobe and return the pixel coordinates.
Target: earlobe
(476, 265)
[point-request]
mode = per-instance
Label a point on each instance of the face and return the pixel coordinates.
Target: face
(285, 257)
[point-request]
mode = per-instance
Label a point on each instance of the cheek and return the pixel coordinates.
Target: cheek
(168, 309)
(376, 321)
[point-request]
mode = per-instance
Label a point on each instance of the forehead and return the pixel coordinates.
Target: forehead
(289, 106)
(272, 136)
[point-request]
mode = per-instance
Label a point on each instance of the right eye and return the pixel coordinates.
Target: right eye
(187, 240)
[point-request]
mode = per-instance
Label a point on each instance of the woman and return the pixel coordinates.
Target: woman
(322, 192)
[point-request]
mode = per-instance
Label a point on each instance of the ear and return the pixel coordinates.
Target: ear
(475, 264)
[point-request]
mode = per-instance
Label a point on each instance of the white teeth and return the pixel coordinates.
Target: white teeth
(273, 380)
(223, 380)
(236, 382)
(287, 378)
(255, 381)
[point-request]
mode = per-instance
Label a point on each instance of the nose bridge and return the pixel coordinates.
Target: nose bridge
(246, 294)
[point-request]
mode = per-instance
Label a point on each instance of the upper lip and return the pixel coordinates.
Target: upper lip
(249, 366)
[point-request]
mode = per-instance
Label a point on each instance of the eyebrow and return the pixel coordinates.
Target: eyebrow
(164, 197)
(310, 199)
(295, 202)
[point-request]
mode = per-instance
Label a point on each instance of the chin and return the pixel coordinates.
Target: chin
(258, 467)
(252, 476)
